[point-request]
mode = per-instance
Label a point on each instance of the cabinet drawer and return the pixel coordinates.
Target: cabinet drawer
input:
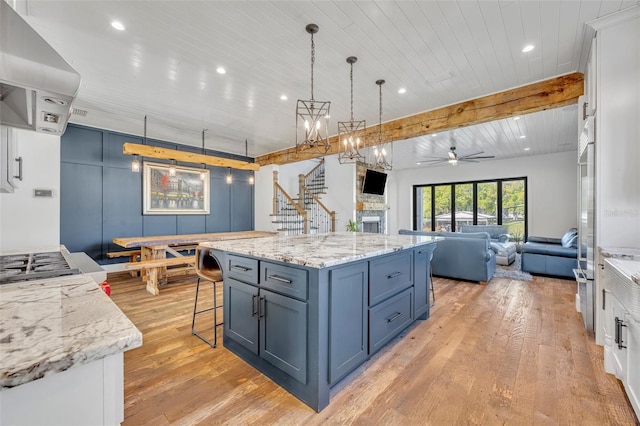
(389, 318)
(284, 279)
(388, 275)
(242, 268)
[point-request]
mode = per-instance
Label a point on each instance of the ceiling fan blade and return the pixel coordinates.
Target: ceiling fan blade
(440, 160)
(468, 160)
(433, 158)
(481, 157)
(473, 155)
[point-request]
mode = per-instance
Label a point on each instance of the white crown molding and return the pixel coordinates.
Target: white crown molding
(614, 18)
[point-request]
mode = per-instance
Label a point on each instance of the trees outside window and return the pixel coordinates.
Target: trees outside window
(447, 207)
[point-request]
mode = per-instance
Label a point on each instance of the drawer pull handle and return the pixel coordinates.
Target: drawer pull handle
(618, 336)
(394, 317)
(240, 267)
(280, 279)
(395, 274)
(253, 304)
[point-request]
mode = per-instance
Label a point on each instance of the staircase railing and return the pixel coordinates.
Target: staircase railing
(288, 214)
(323, 220)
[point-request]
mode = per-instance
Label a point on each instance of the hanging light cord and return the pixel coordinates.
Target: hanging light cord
(380, 122)
(313, 60)
(351, 78)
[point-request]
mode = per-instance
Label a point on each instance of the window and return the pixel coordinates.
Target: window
(447, 207)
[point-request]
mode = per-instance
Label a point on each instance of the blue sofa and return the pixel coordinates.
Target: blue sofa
(551, 256)
(497, 233)
(460, 256)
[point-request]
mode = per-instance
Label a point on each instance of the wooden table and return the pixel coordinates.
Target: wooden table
(154, 249)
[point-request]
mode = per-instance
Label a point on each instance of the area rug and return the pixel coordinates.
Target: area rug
(513, 271)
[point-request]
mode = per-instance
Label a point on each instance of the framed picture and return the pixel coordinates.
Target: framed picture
(185, 192)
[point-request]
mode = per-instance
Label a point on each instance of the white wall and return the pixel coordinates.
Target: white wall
(27, 222)
(552, 188)
(339, 179)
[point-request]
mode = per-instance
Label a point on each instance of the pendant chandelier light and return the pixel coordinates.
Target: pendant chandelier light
(382, 152)
(246, 154)
(312, 117)
(135, 163)
(203, 174)
(350, 132)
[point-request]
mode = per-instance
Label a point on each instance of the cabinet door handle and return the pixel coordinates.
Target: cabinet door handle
(19, 175)
(280, 279)
(618, 335)
(240, 267)
(253, 303)
(262, 309)
(394, 317)
(604, 295)
(395, 274)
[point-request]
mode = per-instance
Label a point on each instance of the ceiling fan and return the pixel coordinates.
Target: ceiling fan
(453, 158)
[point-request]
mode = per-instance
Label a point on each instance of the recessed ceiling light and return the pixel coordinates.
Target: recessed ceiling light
(434, 134)
(516, 118)
(402, 90)
(221, 70)
(522, 136)
(283, 97)
(418, 163)
(117, 25)
(527, 149)
(528, 48)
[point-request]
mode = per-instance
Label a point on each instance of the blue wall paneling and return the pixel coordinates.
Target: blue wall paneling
(100, 198)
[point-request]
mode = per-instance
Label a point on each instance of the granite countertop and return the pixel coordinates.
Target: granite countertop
(630, 268)
(630, 253)
(48, 326)
(321, 250)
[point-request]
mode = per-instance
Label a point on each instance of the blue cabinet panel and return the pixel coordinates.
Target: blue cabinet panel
(81, 145)
(122, 205)
(81, 208)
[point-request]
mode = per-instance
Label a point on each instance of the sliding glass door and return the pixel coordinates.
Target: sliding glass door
(447, 207)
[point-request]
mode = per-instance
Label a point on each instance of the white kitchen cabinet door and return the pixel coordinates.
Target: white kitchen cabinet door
(10, 162)
(620, 333)
(632, 383)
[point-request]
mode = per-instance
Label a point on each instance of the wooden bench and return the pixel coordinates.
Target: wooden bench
(160, 268)
(133, 254)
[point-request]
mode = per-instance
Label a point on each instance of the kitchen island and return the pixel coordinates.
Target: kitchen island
(307, 310)
(61, 344)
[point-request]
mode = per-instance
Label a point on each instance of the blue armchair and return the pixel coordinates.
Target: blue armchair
(460, 256)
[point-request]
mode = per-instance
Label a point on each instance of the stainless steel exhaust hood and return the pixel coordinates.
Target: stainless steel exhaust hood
(37, 86)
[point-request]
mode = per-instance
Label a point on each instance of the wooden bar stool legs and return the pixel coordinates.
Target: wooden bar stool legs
(215, 308)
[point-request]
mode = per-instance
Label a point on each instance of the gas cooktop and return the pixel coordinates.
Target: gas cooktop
(34, 266)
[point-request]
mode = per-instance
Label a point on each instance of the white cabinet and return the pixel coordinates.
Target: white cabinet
(622, 326)
(632, 382)
(10, 162)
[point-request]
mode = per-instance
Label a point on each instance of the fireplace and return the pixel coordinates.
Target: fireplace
(371, 224)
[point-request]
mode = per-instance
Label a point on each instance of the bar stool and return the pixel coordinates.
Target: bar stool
(207, 269)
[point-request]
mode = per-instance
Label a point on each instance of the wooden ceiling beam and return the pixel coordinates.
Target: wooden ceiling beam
(186, 157)
(553, 93)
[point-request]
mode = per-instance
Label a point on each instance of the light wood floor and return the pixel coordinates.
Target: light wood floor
(511, 352)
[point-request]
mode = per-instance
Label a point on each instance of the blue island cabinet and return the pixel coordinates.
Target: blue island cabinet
(307, 328)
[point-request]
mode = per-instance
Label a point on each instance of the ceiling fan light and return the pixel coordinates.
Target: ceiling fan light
(453, 162)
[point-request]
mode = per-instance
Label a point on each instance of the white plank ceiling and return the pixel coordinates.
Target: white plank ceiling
(164, 63)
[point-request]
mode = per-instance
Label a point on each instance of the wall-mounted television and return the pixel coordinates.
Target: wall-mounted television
(374, 182)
